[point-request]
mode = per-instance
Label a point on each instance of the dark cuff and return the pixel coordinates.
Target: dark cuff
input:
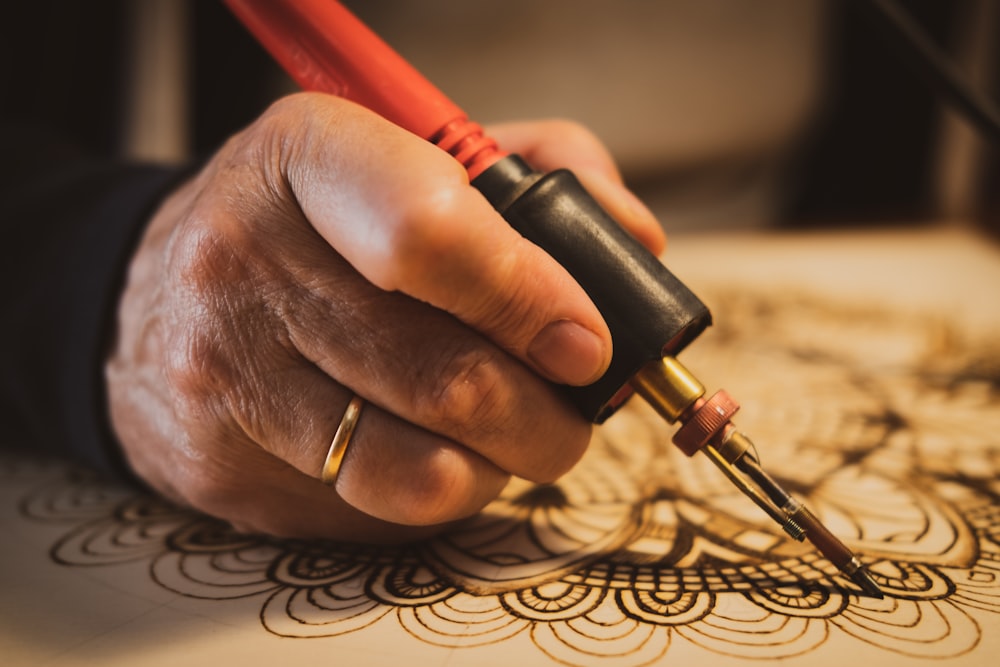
(70, 235)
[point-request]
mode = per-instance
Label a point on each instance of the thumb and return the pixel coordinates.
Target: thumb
(402, 212)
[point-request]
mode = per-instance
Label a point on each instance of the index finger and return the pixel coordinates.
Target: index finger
(402, 212)
(562, 144)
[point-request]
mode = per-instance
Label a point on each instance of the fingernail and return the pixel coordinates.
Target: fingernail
(568, 353)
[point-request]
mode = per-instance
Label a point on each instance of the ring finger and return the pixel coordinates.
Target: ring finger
(391, 470)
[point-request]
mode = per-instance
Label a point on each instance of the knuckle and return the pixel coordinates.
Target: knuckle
(468, 393)
(211, 314)
(206, 256)
(298, 105)
(420, 237)
(196, 368)
(288, 105)
(212, 395)
(291, 113)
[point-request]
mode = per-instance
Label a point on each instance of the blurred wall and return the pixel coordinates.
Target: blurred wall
(699, 100)
(722, 112)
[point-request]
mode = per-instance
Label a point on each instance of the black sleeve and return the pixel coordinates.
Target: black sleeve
(69, 225)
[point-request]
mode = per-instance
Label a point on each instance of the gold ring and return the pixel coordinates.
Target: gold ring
(331, 467)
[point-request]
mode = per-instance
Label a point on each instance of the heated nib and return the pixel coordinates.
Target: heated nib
(706, 427)
(864, 580)
(836, 551)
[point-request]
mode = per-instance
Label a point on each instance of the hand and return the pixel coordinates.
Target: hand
(324, 253)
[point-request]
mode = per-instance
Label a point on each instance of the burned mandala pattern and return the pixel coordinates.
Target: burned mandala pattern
(887, 426)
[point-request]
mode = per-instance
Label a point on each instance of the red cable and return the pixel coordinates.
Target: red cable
(325, 48)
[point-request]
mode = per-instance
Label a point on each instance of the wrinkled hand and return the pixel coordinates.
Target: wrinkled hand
(323, 253)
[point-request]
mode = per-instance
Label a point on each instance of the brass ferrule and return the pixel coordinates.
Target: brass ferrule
(668, 387)
(734, 445)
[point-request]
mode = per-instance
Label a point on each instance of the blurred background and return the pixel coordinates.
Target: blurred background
(721, 113)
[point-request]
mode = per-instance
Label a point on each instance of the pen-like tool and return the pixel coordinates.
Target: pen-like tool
(651, 314)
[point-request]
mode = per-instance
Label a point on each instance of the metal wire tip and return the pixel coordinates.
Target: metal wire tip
(864, 580)
(706, 427)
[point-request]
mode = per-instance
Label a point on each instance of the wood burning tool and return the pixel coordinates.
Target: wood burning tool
(651, 314)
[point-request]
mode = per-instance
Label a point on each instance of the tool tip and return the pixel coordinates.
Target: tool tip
(862, 578)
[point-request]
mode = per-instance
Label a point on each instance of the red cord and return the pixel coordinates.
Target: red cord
(325, 48)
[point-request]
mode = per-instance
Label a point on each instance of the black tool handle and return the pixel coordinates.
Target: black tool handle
(649, 311)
